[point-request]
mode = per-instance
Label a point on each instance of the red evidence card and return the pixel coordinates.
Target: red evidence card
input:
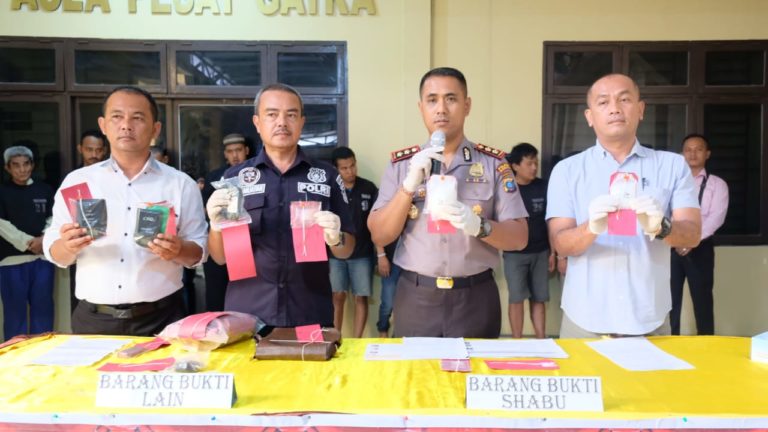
(74, 193)
(622, 222)
(623, 185)
(309, 333)
(238, 252)
(439, 226)
(543, 364)
(309, 244)
(455, 365)
(170, 226)
(149, 366)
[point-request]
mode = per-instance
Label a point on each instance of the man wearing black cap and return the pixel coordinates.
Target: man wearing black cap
(235, 152)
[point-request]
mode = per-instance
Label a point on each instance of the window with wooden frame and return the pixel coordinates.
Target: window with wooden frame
(51, 90)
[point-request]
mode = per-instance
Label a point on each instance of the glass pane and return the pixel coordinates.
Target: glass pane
(320, 126)
(581, 68)
(218, 68)
(663, 126)
(307, 69)
(36, 126)
(735, 137)
(27, 65)
(659, 68)
(201, 129)
(89, 115)
(570, 131)
(117, 67)
(734, 68)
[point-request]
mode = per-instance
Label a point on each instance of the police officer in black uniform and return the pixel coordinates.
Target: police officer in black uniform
(284, 293)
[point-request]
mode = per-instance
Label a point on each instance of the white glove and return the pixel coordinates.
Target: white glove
(218, 201)
(649, 214)
(460, 216)
(331, 225)
(420, 166)
(599, 208)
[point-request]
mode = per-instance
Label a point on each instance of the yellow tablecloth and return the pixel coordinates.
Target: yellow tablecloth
(725, 384)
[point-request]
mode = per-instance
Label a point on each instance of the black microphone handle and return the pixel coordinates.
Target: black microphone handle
(435, 167)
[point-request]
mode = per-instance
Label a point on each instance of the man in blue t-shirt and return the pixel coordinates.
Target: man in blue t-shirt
(527, 270)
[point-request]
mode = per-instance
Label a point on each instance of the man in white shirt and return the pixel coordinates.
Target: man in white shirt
(125, 288)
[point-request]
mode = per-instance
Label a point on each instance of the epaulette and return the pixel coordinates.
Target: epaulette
(405, 153)
(490, 151)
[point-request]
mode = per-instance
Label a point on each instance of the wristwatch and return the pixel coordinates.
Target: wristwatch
(666, 228)
(485, 228)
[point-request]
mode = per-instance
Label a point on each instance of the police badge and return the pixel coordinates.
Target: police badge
(316, 175)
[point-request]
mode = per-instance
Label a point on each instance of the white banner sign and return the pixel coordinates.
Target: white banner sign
(165, 390)
(534, 393)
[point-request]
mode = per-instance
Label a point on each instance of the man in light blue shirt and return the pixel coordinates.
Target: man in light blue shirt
(618, 270)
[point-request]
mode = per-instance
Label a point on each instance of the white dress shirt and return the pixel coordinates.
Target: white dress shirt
(114, 269)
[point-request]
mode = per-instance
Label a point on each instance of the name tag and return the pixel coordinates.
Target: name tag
(534, 393)
(165, 390)
(253, 189)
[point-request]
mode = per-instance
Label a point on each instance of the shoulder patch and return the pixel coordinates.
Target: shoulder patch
(490, 151)
(505, 170)
(509, 184)
(405, 153)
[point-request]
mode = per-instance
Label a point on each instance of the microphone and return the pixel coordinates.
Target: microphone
(436, 140)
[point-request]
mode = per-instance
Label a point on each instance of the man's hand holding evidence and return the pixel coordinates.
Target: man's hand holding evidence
(218, 201)
(331, 225)
(460, 216)
(419, 167)
(599, 208)
(74, 238)
(649, 214)
(165, 246)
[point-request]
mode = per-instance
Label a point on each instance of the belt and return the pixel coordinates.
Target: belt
(131, 310)
(448, 282)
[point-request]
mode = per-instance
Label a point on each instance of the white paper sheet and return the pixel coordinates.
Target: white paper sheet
(638, 354)
(416, 348)
(79, 351)
(384, 352)
(537, 348)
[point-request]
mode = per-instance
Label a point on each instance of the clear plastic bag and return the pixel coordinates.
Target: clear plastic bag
(191, 362)
(210, 330)
(303, 213)
(235, 213)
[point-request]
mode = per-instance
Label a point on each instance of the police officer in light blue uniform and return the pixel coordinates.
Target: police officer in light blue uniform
(447, 287)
